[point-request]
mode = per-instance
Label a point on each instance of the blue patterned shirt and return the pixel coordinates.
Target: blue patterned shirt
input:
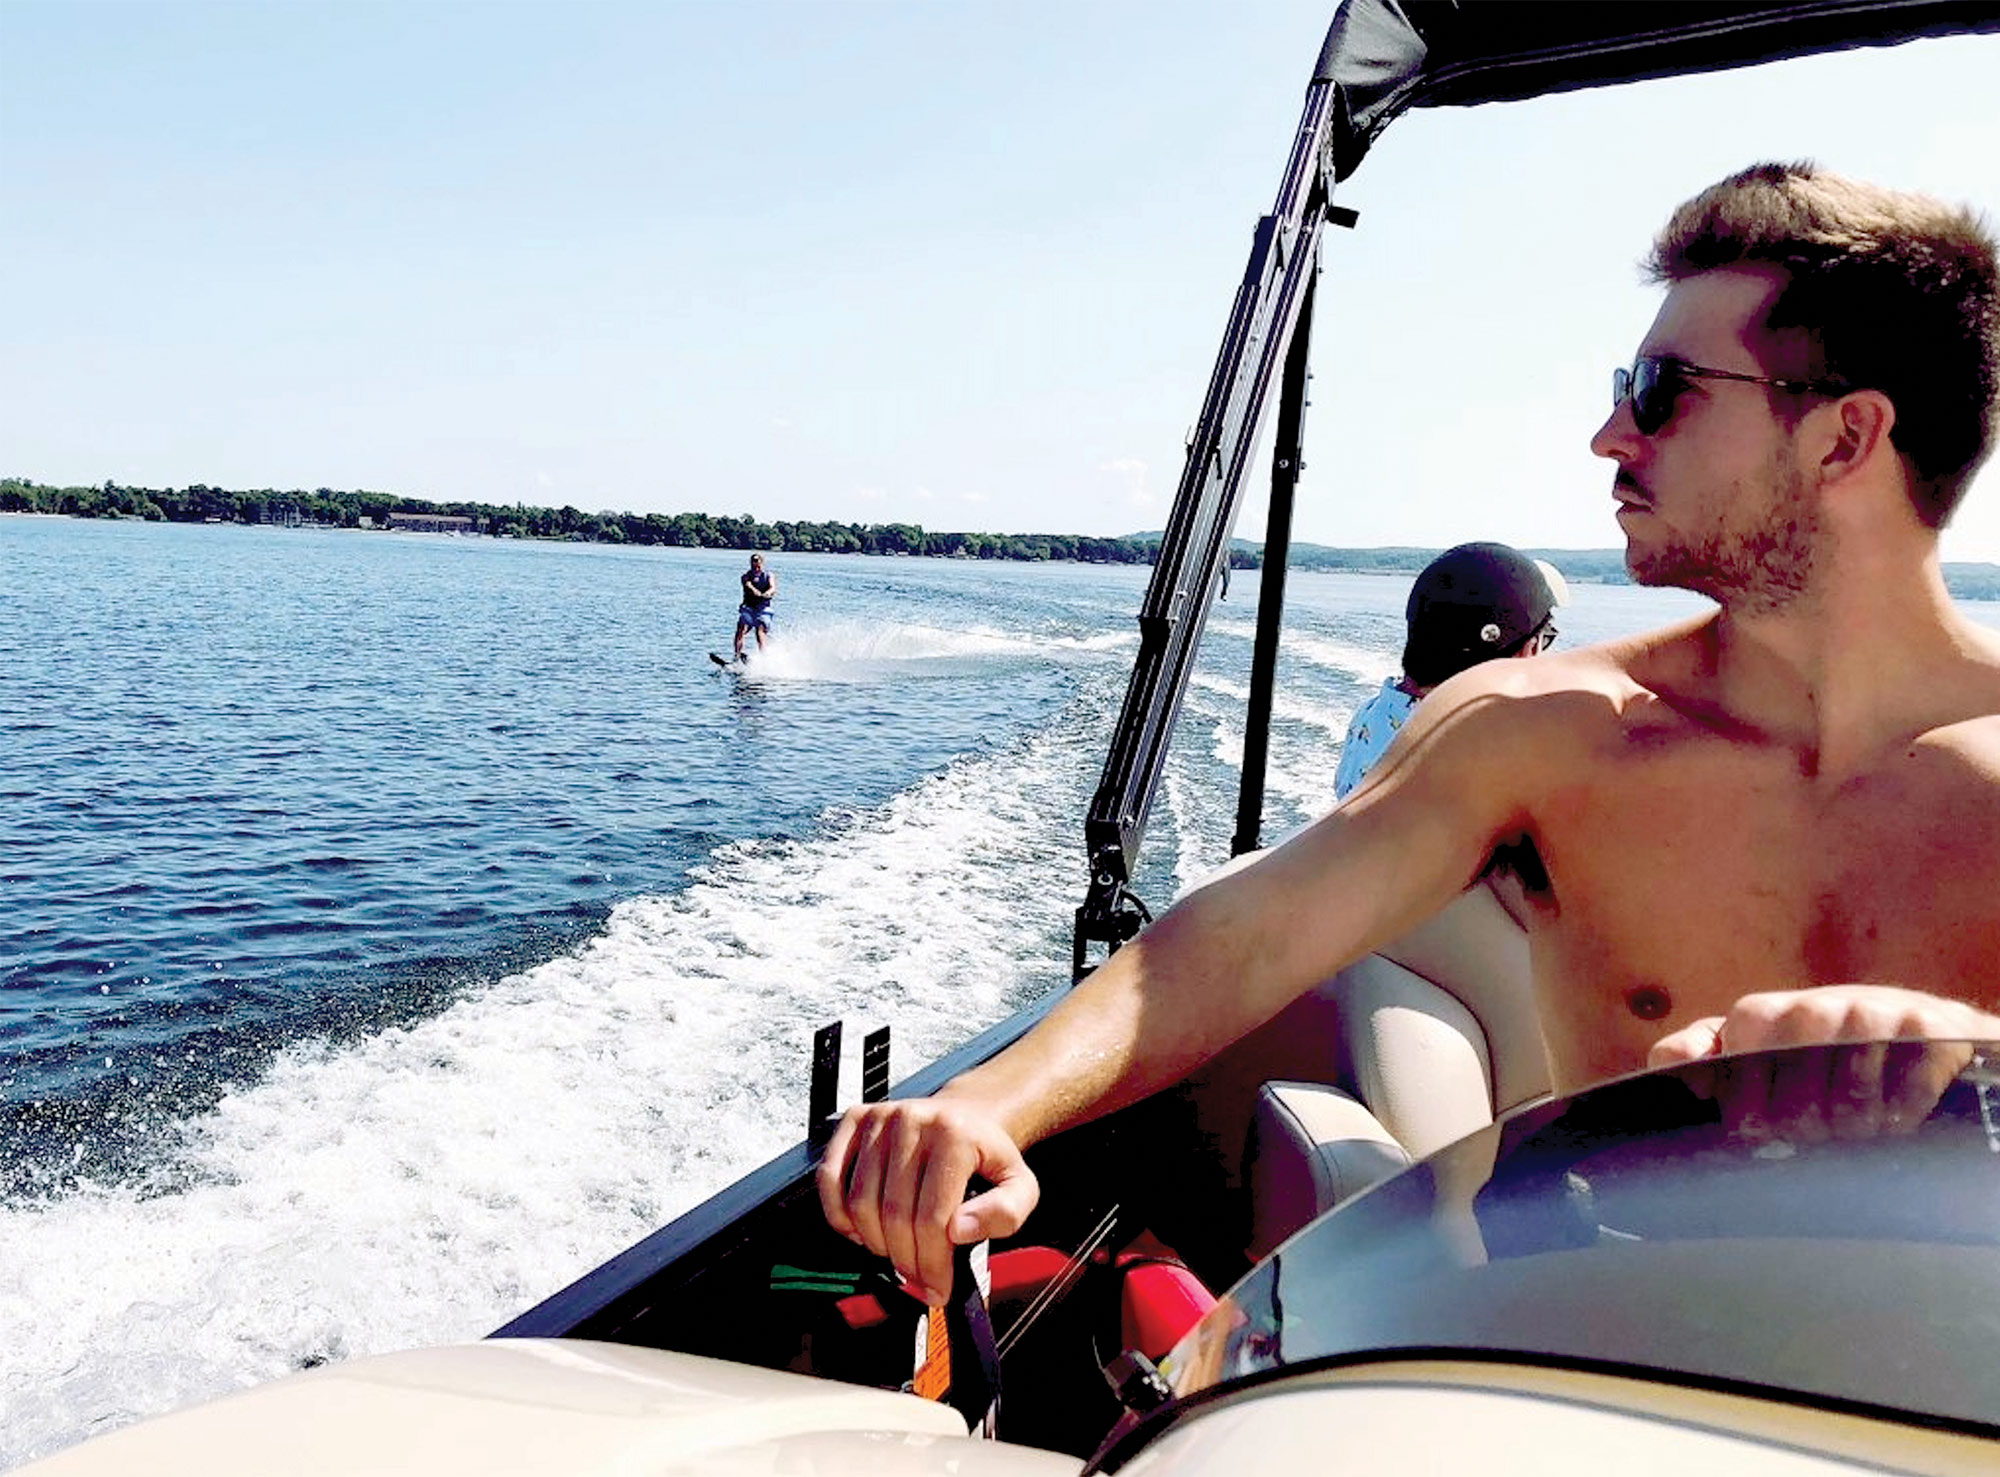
(1374, 728)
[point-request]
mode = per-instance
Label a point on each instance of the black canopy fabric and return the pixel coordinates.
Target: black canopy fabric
(1386, 56)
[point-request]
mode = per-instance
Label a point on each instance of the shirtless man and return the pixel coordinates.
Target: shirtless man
(1735, 815)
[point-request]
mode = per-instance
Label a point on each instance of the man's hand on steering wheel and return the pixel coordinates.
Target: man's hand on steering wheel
(1884, 1056)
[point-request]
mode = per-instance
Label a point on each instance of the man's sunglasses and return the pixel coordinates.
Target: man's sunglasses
(1536, 641)
(1539, 640)
(1654, 383)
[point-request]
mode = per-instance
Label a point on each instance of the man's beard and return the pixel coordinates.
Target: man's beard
(1753, 568)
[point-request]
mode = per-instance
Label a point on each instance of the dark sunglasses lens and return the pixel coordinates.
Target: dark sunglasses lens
(1640, 384)
(1654, 390)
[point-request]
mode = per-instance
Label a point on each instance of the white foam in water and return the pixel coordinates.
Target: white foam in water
(1371, 667)
(1193, 860)
(1359, 662)
(1305, 783)
(1103, 641)
(864, 651)
(1202, 780)
(1298, 780)
(429, 1183)
(1331, 717)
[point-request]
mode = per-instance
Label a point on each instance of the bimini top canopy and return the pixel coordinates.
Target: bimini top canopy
(1386, 56)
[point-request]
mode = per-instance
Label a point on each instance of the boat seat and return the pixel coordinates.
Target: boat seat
(1475, 950)
(1311, 1147)
(1404, 1052)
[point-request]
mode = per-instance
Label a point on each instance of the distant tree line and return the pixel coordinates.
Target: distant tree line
(327, 507)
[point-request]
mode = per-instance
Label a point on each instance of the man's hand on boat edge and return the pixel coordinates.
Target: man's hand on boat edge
(894, 1177)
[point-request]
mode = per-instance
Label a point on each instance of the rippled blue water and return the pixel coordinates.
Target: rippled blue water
(394, 927)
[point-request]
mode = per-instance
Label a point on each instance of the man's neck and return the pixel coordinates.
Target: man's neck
(1867, 656)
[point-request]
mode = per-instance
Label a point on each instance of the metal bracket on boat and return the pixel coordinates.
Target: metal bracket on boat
(1112, 914)
(875, 1066)
(1137, 1382)
(823, 1093)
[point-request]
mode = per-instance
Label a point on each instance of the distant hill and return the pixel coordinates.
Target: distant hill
(1586, 566)
(1579, 566)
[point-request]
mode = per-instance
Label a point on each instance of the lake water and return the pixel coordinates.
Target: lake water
(395, 927)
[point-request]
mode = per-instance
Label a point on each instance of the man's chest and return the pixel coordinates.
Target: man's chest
(1710, 869)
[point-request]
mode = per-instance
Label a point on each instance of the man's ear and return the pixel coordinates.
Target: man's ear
(1861, 433)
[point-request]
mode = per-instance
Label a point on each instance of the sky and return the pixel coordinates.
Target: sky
(947, 262)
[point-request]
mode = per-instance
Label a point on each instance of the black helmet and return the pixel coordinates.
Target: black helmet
(1472, 603)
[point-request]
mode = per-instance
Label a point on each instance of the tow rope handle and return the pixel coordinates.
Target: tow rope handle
(957, 1361)
(975, 1358)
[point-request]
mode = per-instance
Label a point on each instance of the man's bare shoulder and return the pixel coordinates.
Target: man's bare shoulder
(1946, 719)
(1558, 701)
(1965, 726)
(1975, 699)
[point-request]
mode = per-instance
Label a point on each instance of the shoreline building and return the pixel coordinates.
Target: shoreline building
(430, 523)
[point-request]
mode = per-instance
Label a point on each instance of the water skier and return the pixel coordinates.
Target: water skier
(754, 614)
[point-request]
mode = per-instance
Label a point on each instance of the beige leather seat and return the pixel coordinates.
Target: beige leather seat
(1406, 1051)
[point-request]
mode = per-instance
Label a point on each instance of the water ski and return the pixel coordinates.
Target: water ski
(724, 661)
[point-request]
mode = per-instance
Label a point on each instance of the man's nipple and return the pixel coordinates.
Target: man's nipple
(1649, 1002)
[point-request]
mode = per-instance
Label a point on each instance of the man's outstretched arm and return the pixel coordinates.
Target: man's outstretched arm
(1224, 959)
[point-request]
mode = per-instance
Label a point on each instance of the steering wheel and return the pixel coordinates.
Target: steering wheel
(1649, 1158)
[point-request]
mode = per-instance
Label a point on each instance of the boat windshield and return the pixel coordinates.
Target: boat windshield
(1645, 1227)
